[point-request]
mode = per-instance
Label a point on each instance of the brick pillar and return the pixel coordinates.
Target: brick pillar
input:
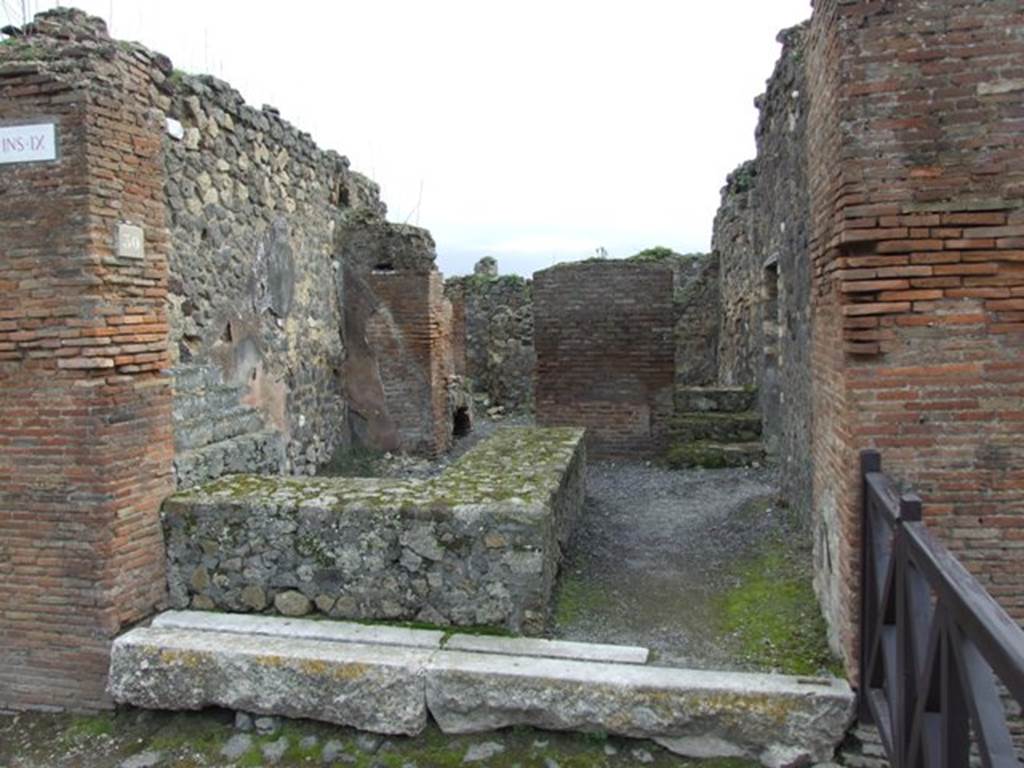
(917, 189)
(85, 410)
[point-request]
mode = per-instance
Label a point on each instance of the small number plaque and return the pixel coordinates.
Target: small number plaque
(131, 243)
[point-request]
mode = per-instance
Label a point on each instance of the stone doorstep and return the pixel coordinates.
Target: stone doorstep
(380, 634)
(778, 719)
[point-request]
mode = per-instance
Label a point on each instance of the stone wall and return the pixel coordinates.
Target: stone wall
(740, 276)
(85, 414)
(253, 207)
(479, 544)
(604, 334)
(493, 323)
(697, 318)
(760, 236)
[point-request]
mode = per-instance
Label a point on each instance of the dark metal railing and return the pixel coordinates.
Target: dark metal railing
(935, 646)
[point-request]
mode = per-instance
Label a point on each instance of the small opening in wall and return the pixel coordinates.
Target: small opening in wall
(341, 197)
(384, 266)
(461, 423)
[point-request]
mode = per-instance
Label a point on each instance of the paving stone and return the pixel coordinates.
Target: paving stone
(368, 742)
(483, 751)
(243, 721)
(332, 751)
(237, 746)
(267, 725)
(147, 759)
(274, 751)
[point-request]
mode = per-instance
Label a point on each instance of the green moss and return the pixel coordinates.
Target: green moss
(773, 615)
(695, 454)
(251, 759)
(520, 465)
(577, 598)
(185, 731)
(85, 727)
(657, 253)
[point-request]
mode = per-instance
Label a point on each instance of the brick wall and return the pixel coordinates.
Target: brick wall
(413, 335)
(603, 334)
(915, 148)
(85, 439)
(398, 335)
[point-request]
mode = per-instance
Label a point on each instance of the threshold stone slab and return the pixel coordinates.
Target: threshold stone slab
(306, 629)
(553, 649)
(725, 714)
(372, 688)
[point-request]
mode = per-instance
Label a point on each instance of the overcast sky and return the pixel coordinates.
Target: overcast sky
(535, 132)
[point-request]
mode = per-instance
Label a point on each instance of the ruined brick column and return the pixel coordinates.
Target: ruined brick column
(85, 419)
(915, 143)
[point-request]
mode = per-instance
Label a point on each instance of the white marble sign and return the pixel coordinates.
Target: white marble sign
(131, 243)
(27, 143)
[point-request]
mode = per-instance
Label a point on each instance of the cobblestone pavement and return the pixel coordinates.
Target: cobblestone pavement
(134, 738)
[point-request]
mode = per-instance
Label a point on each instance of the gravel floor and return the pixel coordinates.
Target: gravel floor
(653, 550)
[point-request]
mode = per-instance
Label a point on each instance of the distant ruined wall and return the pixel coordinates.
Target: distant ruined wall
(740, 264)
(494, 326)
(606, 352)
(697, 308)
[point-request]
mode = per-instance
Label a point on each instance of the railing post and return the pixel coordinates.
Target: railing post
(910, 508)
(905, 705)
(870, 461)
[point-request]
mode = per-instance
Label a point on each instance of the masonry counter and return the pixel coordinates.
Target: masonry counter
(477, 545)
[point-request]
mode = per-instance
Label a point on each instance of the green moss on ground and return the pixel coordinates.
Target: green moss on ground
(695, 454)
(190, 739)
(577, 598)
(353, 462)
(84, 727)
(773, 616)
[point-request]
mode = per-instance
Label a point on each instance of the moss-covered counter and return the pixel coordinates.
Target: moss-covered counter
(478, 545)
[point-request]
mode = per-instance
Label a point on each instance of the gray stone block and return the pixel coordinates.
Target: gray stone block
(372, 688)
(300, 629)
(751, 713)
